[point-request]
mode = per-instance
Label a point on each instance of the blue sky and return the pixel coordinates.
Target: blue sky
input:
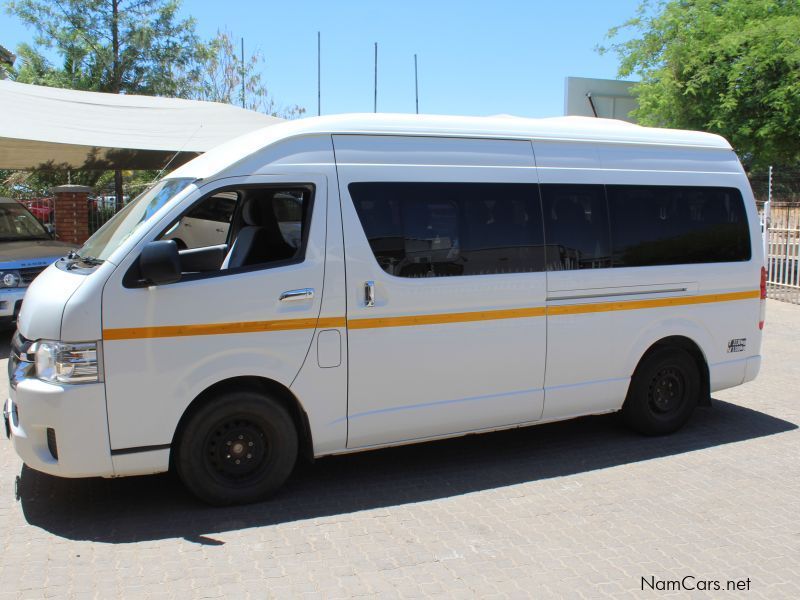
(478, 58)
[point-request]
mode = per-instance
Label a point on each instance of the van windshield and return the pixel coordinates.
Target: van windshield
(122, 225)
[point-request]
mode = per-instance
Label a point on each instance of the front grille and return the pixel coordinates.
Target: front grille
(51, 442)
(29, 274)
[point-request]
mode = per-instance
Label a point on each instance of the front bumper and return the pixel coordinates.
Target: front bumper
(76, 416)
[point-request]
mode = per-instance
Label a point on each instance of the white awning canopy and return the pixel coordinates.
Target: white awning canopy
(43, 127)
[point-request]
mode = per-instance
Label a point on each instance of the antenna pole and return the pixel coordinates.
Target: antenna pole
(319, 80)
(375, 100)
(242, 72)
(416, 84)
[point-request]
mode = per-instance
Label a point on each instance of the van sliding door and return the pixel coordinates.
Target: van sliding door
(445, 285)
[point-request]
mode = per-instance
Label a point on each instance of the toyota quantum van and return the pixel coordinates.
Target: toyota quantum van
(386, 279)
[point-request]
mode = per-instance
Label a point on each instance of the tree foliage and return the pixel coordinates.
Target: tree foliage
(727, 66)
(117, 46)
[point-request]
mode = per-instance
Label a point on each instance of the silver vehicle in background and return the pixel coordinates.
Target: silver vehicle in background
(26, 248)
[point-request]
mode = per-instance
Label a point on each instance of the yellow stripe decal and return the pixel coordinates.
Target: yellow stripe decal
(464, 317)
(577, 309)
(137, 333)
(566, 309)
(407, 321)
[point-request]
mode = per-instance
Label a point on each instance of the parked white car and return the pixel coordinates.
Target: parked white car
(207, 224)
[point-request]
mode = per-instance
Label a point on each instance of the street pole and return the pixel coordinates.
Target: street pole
(766, 218)
(375, 100)
(242, 72)
(319, 80)
(416, 84)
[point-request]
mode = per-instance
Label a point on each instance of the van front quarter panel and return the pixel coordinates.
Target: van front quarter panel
(164, 345)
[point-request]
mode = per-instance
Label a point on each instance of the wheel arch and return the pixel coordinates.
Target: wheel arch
(694, 350)
(258, 384)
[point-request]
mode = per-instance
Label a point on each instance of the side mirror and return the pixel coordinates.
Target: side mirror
(160, 263)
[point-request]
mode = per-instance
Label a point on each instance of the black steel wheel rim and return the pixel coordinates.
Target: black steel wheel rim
(236, 450)
(667, 391)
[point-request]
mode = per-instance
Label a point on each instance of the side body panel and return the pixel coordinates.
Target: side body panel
(453, 369)
(593, 350)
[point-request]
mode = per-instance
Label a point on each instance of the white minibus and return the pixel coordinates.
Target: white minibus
(387, 279)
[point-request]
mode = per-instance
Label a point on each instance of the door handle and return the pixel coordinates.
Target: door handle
(297, 295)
(369, 293)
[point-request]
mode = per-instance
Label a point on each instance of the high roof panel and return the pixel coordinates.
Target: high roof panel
(503, 126)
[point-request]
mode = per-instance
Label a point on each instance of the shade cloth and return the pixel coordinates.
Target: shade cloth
(43, 127)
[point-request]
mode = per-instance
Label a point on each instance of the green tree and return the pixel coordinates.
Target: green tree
(223, 71)
(116, 46)
(727, 66)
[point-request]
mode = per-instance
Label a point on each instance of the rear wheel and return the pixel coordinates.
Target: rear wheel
(238, 448)
(663, 393)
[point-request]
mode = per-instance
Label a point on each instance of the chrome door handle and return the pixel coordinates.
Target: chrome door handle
(297, 295)
(369, 293)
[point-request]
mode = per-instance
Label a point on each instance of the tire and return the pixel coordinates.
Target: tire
(663, 392)
(242, 426)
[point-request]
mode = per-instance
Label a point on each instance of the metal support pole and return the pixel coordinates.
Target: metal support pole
(242, 72)
(767, 210)
(416, 84)
(375, 99)
(319, 81)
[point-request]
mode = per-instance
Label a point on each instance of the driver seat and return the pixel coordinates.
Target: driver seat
(260, 239)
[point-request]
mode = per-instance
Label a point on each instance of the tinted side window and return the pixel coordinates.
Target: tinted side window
(654, 225)
(576, 226)
(442, 229)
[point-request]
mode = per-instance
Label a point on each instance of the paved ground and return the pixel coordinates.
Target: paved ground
(578, 509)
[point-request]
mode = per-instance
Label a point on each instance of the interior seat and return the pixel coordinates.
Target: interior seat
(260, 239)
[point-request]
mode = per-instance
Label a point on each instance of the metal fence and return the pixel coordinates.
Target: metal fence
(782, 250)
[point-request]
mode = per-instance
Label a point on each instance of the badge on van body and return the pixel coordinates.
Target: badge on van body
(737, 345)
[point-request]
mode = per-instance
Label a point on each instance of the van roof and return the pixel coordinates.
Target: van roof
(577, 129)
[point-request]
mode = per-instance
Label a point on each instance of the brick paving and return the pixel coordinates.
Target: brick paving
(581, 509)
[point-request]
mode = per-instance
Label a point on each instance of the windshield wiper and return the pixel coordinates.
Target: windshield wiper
(87, 260)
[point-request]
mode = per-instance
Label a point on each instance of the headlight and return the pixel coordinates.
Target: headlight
(58, 362)
(10, 279)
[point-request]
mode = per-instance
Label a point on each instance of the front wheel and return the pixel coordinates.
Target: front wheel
(238, 448)
(663, 392)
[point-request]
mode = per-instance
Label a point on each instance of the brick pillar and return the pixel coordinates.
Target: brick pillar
(72, 213)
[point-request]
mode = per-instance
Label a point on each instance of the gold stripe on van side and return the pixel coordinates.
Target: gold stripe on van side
(133, 333)
(137, 333)
(596, 307)
(566, 309)
(463, 317)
